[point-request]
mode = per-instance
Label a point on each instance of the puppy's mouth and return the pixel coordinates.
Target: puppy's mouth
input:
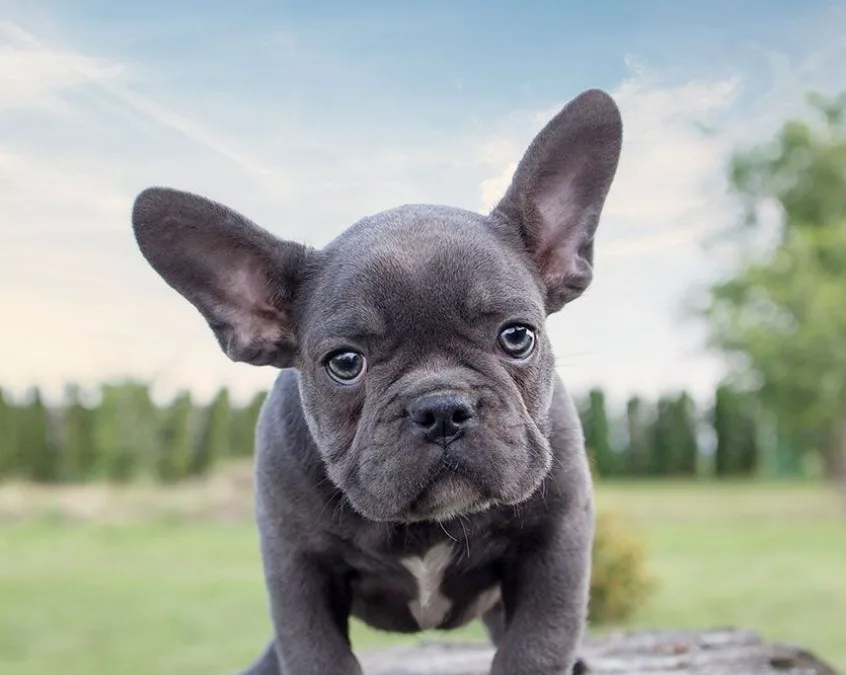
(447, 493)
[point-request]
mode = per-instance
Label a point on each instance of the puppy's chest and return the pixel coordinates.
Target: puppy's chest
(430, 605)
(431, 589)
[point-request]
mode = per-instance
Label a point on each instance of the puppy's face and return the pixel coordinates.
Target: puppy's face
(425, 372)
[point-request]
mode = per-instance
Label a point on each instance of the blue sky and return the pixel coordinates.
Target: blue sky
(306, 116)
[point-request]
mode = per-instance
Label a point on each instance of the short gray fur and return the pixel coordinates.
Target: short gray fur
(449, 477)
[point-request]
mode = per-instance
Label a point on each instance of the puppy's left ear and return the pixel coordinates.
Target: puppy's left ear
(558, 191)
(242, 279)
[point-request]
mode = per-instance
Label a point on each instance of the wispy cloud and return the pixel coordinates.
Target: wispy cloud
(32, 73)
(670, 182)
(89, 132)
(670, 193)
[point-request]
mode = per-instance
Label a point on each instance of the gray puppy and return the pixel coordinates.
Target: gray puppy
(418, 462)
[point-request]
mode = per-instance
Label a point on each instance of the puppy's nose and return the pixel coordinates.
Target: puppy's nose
(441, 418)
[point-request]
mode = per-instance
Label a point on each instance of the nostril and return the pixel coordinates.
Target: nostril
(427, 419)
(460, 416)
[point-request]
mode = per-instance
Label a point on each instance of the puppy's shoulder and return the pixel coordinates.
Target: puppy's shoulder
(565, 425)
(569, 481)
(286, 458)
(281, 428)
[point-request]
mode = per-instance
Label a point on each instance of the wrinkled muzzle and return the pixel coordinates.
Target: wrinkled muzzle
(439, 455)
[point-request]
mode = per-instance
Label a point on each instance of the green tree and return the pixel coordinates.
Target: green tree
(685, 439)
(215, 434)
(126, 430)
(78, 452)
(176, 446)
(36, 441)
(637, 424)
(781, 316)
(735, 422)
(112, 455)
(598, 433)
(9, 451)
(722, 421)
(662, 438)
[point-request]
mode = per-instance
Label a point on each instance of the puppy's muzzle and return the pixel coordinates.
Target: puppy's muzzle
(441, 418)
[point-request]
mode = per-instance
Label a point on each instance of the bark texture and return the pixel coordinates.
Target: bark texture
(715, 652)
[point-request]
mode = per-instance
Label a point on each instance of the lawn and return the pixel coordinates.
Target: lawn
(164, 595)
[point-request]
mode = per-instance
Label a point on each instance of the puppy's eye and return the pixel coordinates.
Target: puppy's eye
(517, 340)
(345, 367)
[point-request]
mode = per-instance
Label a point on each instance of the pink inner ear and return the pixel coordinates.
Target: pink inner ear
(558, 231)
(572, 271)
(562, 234)
(254, 317)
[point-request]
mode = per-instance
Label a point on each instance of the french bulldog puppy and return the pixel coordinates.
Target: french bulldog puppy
(419, 464)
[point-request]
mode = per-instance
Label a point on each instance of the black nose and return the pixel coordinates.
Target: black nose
(441, 418)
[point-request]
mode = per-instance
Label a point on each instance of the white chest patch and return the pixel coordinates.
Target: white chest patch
(430, 607)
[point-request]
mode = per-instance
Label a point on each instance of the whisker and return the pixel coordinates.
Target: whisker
(466, 538)
(441, 525)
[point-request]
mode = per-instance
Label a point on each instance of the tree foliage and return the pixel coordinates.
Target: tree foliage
(639, 448)
(215, 435)
(735, 423)
(176, 440)
(78, 448)
(784, 311)
(34, 433)
(598, 433)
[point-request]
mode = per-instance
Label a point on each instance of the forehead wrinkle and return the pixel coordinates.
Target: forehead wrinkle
(501, 308)
(365, 324)
(447, 286)
(409, 275)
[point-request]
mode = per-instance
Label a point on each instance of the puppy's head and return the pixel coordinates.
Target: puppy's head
(426, 375)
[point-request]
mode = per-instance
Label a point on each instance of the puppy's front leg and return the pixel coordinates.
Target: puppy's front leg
(545, 594)
(310, 610)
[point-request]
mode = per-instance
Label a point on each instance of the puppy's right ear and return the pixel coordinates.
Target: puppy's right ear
(241, 278)
(558, 191)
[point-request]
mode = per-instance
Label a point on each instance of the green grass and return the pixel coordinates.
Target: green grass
(767, 557)
(169, 597)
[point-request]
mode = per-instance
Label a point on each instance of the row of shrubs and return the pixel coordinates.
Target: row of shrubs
(119, 433)
(733, 436)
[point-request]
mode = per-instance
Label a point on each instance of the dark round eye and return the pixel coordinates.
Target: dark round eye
(518, 341)
(345, 367)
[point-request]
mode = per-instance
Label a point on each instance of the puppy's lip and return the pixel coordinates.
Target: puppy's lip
(449, 470)
(449, 511)
(443, 467)
(436, 474)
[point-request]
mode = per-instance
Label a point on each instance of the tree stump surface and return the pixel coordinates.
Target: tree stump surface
(715, 652)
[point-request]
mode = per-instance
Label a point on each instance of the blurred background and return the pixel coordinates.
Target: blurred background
(708, 358)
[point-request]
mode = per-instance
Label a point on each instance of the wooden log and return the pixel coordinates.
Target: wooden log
(716, 652)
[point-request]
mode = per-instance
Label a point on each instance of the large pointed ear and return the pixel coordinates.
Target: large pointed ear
(241, 278)
(558, 191)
